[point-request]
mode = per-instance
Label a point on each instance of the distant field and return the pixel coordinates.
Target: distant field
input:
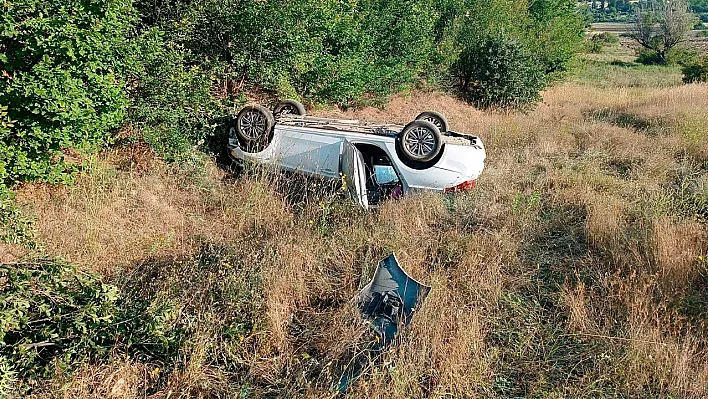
(696, 38)
(614, 27)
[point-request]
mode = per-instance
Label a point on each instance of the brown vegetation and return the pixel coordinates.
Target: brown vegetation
(576, 268)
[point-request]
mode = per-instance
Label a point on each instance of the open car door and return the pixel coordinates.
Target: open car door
(354, 170)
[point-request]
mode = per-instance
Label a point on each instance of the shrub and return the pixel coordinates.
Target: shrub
(596, 42)
(680, 56)
(541, 36)
(60, 66)
(696, 72)
(15, 227)
(556, 32)
(173, 107)
(605, 38)
(593, 47)
(51, 311)
(327, 51)
(499, 72)
(6, 125)
(676, 56)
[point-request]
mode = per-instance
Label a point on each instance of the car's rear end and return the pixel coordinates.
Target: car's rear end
(467, 160)
(460, 163)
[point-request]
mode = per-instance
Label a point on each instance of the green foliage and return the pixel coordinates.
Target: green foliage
(49, 312)
(71, 73)
(677, 56)
(173, 107)
(597, 42)
(556, 33)
(699, 6)
(681, 55)
(696, 72)
(605, 38)
(648, 57)
(329, 51)
(500, 72)
(15, 227)
(53, 315)
(544, 35)
(660, 27)
(216, 293)
(6, 124)
(60, 80)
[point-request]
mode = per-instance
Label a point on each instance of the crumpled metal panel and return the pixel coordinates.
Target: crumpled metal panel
(388, 303)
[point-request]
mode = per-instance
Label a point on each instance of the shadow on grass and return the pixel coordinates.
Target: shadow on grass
(624, 63)
(624, 119)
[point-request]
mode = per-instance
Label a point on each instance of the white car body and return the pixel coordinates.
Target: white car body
(335, 152)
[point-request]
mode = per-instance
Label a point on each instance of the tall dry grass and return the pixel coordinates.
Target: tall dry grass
(575, 269)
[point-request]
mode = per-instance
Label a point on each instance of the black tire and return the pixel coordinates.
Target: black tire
(253, 124)
(289, 107)
(435, 118)
(420, 141)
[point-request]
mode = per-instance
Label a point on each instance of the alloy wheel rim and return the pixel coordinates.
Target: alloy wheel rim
(434, 121)
(287, 110)
(253, 125)
(420, 142)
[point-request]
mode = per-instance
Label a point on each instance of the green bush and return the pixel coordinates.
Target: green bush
(595, 43)
(54, 316)
(680, 56)
(605, 38)
(173, 107)
(328, 51)
(15, 227)
(696, 72)
(555, 33)
(594, 47)
(700, 6)
(73, 72)
(648, 57)
(677, 56)
(6, 125)
(541, 36)
(52, 312)
(500, 72)
(60, 65)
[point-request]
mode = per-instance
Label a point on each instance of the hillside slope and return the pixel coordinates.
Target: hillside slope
(577, 268)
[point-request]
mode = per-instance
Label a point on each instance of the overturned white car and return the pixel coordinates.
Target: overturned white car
(377, 161)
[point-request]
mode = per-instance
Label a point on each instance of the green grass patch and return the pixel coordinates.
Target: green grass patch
(618, 73)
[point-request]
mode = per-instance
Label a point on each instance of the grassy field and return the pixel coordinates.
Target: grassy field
(578, 267)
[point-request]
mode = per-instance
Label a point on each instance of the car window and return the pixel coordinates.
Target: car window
(385, 174)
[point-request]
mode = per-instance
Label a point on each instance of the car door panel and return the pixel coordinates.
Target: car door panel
(354, 172)
(308, 152)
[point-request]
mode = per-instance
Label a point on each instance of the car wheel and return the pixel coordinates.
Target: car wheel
(435, 118)
(420, 141)
(253, 124)
(289, 107)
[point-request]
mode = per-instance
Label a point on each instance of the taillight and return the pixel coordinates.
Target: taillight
(464, 186)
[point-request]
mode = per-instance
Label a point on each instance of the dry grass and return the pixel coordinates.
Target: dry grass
(575, 269)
